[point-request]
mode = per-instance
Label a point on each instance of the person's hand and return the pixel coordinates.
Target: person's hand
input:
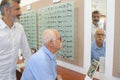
(59, 77)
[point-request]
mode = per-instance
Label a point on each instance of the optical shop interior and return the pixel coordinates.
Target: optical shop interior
(59, 40)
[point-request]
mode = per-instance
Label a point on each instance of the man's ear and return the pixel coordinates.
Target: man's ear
(51, 43)
(6, 10)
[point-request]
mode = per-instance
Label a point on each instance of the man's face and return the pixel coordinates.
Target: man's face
(57, 42)
(14, 12)
(96, 18)
(99, 36)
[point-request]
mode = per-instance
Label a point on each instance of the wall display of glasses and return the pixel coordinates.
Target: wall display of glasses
(28, 20)
(61, 17)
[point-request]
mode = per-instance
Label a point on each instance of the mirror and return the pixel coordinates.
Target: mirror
(98, 33)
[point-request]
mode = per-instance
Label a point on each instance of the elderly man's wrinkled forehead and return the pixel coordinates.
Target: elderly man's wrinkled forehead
(100, 31)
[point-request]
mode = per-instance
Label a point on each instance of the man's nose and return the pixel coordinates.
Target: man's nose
(19, 13)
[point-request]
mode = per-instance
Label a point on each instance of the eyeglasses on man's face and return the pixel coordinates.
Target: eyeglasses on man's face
(100, 34)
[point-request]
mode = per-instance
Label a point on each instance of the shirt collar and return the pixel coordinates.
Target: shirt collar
(3, 25)
(103, 45)
(51, 55)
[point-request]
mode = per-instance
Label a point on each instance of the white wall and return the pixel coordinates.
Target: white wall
(26, 2)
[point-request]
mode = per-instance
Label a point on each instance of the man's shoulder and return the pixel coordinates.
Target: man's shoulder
(39, 58)
(37, 55)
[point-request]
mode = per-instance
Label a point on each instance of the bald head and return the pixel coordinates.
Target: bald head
(49, 34)
(52, 40)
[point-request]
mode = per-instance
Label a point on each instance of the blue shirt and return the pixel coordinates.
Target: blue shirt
(97, 52)
(40, 66)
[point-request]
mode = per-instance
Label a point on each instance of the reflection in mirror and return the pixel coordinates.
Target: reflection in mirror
(98, 28)
(98, 47)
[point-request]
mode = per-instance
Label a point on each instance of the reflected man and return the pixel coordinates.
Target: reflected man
(96, 22)
(98, 45)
